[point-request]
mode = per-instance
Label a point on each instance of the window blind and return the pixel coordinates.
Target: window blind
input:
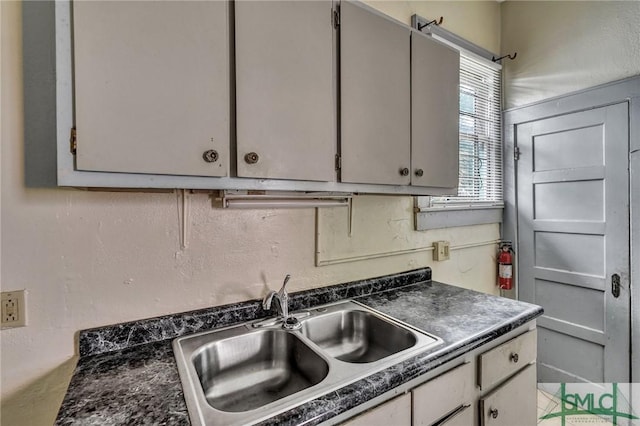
(480, 158)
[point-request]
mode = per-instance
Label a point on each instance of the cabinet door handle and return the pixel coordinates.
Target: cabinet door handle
(514, 357)
(419, 172)
(210, 156)
(493, 412)
(404, 172)
(251, 158)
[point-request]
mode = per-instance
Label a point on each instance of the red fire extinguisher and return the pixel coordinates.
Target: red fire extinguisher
(505, 266)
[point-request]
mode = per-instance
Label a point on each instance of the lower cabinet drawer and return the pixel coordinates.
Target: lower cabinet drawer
(435, 400)
(502, 361)
(396, 412)
(513, 403)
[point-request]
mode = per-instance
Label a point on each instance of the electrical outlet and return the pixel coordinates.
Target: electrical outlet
(440, 250)
(14, 309)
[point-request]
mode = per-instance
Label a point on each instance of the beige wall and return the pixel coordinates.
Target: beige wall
(476, 21)
(564, 46)
(89, 259)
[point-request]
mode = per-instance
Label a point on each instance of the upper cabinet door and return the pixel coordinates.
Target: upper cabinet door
(375, 98)
(435, 80)
(152, 92)
(285, 90)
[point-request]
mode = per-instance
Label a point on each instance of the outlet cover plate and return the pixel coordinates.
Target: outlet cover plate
(440, 250)
(13, 307)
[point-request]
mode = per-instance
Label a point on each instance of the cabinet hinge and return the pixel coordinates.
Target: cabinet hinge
(336, 18)
(516, 153)
(338, 162)
(73, 141)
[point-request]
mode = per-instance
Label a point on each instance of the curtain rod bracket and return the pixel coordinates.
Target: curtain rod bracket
(434, 22)
(511, 57)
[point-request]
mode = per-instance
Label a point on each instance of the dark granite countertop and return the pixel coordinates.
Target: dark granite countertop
(127, 373)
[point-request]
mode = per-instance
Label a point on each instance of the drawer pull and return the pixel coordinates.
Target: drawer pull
(451, 415)
(493, 412)
(514, 357)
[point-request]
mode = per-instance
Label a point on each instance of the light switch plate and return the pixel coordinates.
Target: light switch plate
(440, 250)
(13, 307)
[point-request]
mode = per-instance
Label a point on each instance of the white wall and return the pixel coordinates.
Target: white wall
(89, 259)
(564, 46)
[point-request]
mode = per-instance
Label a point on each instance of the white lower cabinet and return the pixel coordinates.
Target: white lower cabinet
(396, 412)
(442, 397)
(504, 360)
(494, 386)
(513, 403)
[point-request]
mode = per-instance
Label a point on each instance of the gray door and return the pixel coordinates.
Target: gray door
(573, 240)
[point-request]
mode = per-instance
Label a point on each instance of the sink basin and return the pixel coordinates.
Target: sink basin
(357, 336)
(252, 370)
(247, 373)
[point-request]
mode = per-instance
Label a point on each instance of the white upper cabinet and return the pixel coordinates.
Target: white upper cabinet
(152, 89)
(435, 80)
(285, 90)
(375, 98)
(314, 95)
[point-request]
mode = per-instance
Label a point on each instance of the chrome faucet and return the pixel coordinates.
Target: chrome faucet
(282, 297)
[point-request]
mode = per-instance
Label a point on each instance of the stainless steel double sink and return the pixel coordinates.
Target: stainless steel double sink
(247, 373)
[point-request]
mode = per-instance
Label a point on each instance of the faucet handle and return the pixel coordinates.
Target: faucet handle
(284, 284)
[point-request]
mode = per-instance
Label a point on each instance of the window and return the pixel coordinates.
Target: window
(480, 182)
(480, 198)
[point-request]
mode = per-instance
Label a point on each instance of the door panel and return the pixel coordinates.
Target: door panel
(573, 235)
(575, 253)
(580, 200)
(285, 89)
(375, 97)
(151, 93)
(572, 148)
(584, 363)
(553, 296)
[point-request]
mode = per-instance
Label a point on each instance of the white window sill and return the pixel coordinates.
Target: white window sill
(447, 217)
